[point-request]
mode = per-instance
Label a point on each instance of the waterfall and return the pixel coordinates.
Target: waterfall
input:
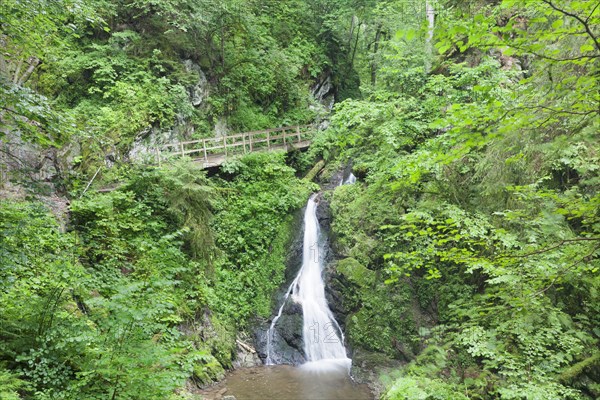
(322, 336)
(350, 180)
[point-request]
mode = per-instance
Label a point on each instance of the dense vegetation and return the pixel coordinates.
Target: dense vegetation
(469, 247)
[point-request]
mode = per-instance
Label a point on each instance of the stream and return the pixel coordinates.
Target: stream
(285, 382)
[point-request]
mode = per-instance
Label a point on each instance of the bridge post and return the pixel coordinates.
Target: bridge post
(298, 132)
(225, 144)
(244, 142)
(268, 140)
(158, 155)
(204, 148)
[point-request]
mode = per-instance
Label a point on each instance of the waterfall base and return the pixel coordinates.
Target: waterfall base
(341, 365)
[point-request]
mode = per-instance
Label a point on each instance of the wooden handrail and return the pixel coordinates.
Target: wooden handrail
(273, 137)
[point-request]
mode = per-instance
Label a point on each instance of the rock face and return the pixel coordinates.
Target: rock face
(246, 356)
(323, 92)
(143, 148)
(200, 90)
(221, 127)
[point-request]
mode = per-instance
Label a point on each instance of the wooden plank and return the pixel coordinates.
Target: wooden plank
(278, 137)
(235, 144)
(297, 136)
(191, 141)
(260, 140)
(214, 148)
(238, 135)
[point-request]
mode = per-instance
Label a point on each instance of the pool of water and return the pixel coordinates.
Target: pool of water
(288, 383)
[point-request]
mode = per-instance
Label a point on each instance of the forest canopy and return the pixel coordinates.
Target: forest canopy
(466, 254)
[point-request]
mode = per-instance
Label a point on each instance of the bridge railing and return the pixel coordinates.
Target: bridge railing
(240, 143)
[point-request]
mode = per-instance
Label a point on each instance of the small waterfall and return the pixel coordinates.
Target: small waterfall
(322, 336)
(350, 180)
(271, 331)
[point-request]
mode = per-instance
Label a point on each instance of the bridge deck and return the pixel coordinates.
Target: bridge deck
(212, 152)
(216, 160)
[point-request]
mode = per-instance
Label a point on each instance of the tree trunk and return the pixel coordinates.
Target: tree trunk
(355, 45)
(430, 13)
(33, 63)
(374, 61)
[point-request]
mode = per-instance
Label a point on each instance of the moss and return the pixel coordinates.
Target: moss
(208, 370)
(356, 272)
(577, 369)
(314, 170)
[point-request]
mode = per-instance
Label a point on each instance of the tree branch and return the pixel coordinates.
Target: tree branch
(565, 271)
(544, 250)
(578, 18)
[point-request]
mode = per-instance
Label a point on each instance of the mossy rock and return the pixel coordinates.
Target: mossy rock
(355, 272)
(208, 370)
(371, 360)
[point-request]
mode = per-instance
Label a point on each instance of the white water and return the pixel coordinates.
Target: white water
(323, 339)
(350, 180)
(271, 332)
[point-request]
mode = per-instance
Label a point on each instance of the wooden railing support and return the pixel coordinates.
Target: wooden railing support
(226, 145)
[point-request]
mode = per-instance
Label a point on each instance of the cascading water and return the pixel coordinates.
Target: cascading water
(350, 180)
(322, 336)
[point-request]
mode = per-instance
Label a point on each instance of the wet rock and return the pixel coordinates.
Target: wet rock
(283, 352)
(287, 343)
(200, 90)
(324, 215)
(289, 326)
(368, 366)
(246, 355)
(324, 93)
(294, 254)
(335, 287)
(221, 128)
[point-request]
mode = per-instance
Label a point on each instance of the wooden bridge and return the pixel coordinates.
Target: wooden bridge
(212, 152)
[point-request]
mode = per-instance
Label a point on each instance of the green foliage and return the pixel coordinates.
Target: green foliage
(471, 239)
(479, 196)
(10, 385)
(253, 227)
